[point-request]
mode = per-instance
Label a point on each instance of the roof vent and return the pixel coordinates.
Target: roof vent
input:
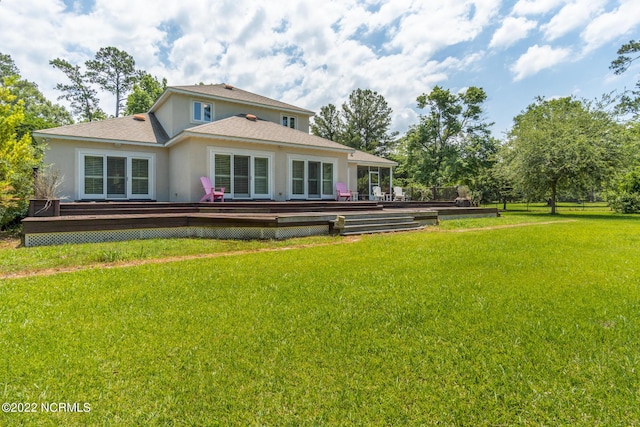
(139, 117)
(251, 117)
(226, 86)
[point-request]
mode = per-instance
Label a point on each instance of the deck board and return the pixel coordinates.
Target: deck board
(303, 216)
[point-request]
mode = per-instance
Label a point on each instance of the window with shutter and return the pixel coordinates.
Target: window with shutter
(261, 175)
(222, 172)
(93, 175)
(297, 177)
(241, 176)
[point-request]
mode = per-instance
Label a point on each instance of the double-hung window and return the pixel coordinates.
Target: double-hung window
(202, 111)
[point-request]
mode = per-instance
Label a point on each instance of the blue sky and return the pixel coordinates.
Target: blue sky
(312, 53)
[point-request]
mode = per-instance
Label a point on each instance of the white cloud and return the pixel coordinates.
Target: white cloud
(440, 23)
(538, 58)
(306, 53)
(512, 30)
(536, 7)
(572, 16)
(611, 25)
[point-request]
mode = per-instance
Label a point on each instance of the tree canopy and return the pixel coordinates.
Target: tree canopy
(627, 54)
(145, 93)
(18, 156)
(561, 144)
(39, 112)
(367, 118)
(83, 98)
(114, 71)
(328, 124)
(363, 122)
(452, 142)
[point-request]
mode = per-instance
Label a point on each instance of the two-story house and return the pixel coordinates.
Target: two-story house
(255, 147)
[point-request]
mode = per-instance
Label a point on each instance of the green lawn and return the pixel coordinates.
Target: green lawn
(510, 324)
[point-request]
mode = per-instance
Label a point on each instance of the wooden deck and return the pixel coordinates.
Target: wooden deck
(112, 221)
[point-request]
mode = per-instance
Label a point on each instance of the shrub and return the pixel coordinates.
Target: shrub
(626, 197)
(625, 202)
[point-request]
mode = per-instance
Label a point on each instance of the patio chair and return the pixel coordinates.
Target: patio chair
(342, 191)
(377, 193)
(210, 192)
(398, 194)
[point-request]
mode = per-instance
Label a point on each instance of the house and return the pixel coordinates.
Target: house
(255, 147)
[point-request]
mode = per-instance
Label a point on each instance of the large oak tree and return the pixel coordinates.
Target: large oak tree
(562, 144)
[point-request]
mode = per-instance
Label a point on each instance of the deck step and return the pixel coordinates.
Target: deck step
(375, 222)
(383, 230)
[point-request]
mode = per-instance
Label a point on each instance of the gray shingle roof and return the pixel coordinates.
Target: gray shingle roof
(366, 158)
(119, 129)
(241, 128)
(220, 91)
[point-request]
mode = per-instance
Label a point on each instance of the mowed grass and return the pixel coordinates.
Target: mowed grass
(21, 260)
(529, 325)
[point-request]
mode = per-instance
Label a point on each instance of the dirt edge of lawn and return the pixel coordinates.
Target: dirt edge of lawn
(349, 239)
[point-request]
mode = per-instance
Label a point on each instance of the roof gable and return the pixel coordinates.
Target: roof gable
(241, 127)
(229, 93)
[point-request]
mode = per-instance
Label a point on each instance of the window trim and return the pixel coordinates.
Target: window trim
(129, 155)
(289, 117)
(202, 109)
(252, 154)
(306, 159)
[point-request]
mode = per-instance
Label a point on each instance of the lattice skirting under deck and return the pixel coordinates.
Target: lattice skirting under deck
(232, 233)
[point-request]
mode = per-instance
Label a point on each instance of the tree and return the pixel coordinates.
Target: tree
(367, 118)
(83, 98)
(362, 123)
(623, 61)
(625, 197)
(452, 140)
(145, 93)
(39, 112)
(561, 144)
(7, 66)
(627, 54)
(17, 156)
(328, 124)
(114, 71)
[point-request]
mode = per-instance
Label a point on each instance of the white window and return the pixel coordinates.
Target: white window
(290, 122)
(243, 174)
(115, 175)
(311, 178)
(202, 111)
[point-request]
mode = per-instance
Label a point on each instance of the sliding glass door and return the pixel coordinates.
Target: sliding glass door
(243, 176)
(115, 177)
(311, 179)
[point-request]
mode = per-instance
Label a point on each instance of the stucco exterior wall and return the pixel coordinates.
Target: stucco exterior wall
(192, 158)
(175, 114)
(63, 155)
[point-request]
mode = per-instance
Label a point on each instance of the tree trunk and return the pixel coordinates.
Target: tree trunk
(553, 198)
(117, 100)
